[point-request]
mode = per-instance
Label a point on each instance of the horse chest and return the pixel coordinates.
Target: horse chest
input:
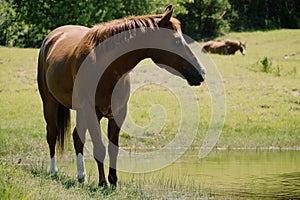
(114, 103)
(110, 109)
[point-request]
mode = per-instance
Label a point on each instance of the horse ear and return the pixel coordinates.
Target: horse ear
(169, 8)
(166, 16)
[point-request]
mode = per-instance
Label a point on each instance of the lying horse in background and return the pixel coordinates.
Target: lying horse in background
(61, 58)
(225, 47)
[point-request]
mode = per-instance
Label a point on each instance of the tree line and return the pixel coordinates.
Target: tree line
(24, 23)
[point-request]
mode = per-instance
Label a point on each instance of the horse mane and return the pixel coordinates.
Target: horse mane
(100, 32)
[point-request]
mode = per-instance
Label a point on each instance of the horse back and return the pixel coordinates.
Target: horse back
(214, 47)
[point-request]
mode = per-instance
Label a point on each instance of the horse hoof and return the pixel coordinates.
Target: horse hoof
(113, 187)
(103, 188)
(53, 172)
(103, 185)
(81, 180)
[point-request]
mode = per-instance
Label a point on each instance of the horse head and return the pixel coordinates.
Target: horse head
(242, 47)
(175, 55)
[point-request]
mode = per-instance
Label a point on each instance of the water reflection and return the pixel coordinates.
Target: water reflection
(221, 175)
(247, 174)
(277, 186)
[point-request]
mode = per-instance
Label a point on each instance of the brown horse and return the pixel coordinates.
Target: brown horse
(226, 47)
(62, 57)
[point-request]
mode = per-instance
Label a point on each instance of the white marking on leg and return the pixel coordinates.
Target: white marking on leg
(80, 168)
(53, 168)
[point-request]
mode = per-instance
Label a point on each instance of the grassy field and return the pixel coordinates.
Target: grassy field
(263, 111)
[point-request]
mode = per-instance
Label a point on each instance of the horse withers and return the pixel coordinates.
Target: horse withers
(63, 79)
(225, 47)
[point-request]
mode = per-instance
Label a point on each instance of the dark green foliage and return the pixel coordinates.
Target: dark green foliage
(202, 19)
(32, 20)
(137, 7)
(25, 23)
(264, 14)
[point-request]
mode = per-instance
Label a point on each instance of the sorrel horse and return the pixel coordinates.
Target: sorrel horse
(226, 47)
(61, 57)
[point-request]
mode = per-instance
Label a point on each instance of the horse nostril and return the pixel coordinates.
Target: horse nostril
(203, 73)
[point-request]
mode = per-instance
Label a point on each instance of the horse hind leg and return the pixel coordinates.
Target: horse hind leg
(50, 110)
(58, 120)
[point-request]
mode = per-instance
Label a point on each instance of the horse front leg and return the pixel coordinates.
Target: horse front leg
(79, 141)
(89, 120)
(99, 155)
(99, 151)
(113, 150)
(113, 146)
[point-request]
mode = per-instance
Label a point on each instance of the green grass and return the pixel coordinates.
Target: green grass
(263, 110)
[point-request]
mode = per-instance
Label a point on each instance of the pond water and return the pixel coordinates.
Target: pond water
(225, 175)
(258, 174)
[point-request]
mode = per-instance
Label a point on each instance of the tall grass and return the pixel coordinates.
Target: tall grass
(266, 65)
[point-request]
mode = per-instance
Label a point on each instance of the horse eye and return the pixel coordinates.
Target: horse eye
(177, 42)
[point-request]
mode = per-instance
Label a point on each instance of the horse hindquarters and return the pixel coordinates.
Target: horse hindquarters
(205, 48)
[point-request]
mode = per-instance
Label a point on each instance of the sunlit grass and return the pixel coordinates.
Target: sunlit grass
(263, 110)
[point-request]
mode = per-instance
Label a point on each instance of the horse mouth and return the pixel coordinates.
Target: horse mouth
(195, 81)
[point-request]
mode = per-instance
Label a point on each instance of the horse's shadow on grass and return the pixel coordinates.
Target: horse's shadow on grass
(40, 170)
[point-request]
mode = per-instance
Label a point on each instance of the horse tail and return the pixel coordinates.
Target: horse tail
(63, 126)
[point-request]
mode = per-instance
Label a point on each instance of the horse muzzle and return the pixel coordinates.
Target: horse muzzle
(200, 77)
(194, 80)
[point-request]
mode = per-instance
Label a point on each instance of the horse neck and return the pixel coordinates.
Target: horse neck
(119, 64)
(118, 71)
(234, 48)
(120, 52)
(128, 61)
